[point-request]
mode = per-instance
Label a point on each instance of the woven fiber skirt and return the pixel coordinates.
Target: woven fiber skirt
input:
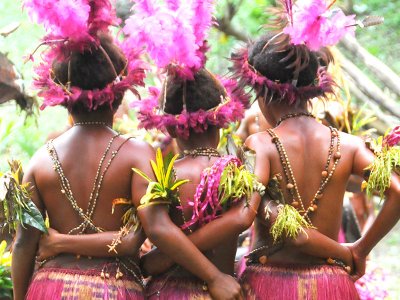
(182, 288)
(317, 282)
(72, 284)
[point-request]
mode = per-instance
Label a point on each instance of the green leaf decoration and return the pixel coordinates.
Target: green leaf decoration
(165, 189)
(386, 162)
(236, 183)
(137, 171)
(5, 283)
(16, 206)
(289, 223)
(33, 217)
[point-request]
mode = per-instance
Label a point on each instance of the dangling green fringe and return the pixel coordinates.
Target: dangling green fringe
(288, 223)
(236, 183)
(386, 162)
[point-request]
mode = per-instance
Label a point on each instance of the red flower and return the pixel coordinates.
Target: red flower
(393, 138)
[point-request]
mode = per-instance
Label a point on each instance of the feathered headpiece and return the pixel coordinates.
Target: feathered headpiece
(231, 109)
(74, 25)
(174, 36)
(301, 27)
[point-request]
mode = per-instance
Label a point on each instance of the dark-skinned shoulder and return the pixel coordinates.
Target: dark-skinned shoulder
(138, 151)
(260, 142)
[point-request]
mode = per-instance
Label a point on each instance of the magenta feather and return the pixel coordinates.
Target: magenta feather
(61, 18)
(316, 26)
(393, 138)
(172, 33)
(151, 116)
(248, 76)
(73, 25)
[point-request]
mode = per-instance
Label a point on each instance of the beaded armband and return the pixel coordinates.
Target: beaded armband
(163, 190)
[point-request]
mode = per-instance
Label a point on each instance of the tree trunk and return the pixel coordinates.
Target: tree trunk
(382, 72)
(369, 88)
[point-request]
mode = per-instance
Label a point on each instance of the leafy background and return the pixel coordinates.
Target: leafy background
(21, 136)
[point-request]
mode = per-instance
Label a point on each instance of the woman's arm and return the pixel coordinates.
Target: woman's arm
(385, 220)
(96, 245)
(25, 246)
(172, 241)
(236, 220)
(312, 242)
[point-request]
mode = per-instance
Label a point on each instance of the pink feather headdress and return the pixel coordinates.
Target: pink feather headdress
(314, 24)
(74, 25)
(231, 109)
(173, 34)
(307, 25)
(247, 75)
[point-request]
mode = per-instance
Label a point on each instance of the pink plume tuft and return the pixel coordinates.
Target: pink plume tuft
(173, 34)
(393, 138)
(316, 26)
(202, 18)
(77, 21)
(62, 18)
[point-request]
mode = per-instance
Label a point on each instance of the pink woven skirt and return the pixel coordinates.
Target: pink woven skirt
(73, 284)
(318, 282)
(182, 288)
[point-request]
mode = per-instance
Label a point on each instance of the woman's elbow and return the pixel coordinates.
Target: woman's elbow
(299, 241)
(242, 223)
(157, 232)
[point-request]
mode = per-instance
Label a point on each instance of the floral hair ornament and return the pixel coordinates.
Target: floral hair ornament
(247, 75)
(74, 25)
(300, 27)
(231, 109)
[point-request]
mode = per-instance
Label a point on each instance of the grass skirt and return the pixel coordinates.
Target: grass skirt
(75, 284)
(167, 288)
(318, 282)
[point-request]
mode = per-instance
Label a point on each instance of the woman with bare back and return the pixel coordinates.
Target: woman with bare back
(308, 166)
(76, 176)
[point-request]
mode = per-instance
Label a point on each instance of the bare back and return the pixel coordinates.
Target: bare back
(307, 145)
(79, 151)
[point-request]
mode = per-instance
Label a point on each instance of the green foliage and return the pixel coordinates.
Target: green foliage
(236, 183)
(5, 283)
(378, 39)
(387, 160)
(360, 120)
(16, 207)
(289, 223)
(165, 189)
(5, 274)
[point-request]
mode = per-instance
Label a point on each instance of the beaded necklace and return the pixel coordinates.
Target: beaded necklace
(202, 151)
(291, 181)
(294, 115)
(95, 123)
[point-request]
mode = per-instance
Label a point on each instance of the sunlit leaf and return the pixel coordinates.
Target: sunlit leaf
(33, 217)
